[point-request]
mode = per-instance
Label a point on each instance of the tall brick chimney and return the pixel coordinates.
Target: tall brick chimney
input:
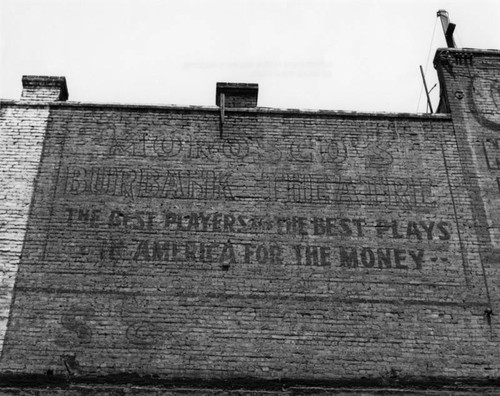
(44, 89)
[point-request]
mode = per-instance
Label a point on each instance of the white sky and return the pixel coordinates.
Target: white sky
(315, 54)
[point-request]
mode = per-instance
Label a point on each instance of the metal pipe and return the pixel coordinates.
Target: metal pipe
(426, 92)
(448, 28)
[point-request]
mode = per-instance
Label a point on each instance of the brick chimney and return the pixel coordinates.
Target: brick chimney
(237, 94)
(44, 89)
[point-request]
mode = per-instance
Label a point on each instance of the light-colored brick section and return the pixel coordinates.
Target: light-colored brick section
(22, 132)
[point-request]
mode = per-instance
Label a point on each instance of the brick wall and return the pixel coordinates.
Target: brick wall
(470, 80)
(309, 245)
(22, 130)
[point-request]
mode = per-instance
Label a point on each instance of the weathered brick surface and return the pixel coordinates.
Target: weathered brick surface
(22, 130)
(471, 81)
(236, 95)
(311, 245)
(44, 89)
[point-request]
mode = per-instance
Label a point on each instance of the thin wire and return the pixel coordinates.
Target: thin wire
(427, 63)
(458, 41)
(430, 48)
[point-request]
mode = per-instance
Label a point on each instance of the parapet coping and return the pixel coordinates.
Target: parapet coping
(215, 109)
(467, 52)
(495, 52)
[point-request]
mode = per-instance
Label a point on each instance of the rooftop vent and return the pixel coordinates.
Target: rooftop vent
(236, 94)
(44, 89)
